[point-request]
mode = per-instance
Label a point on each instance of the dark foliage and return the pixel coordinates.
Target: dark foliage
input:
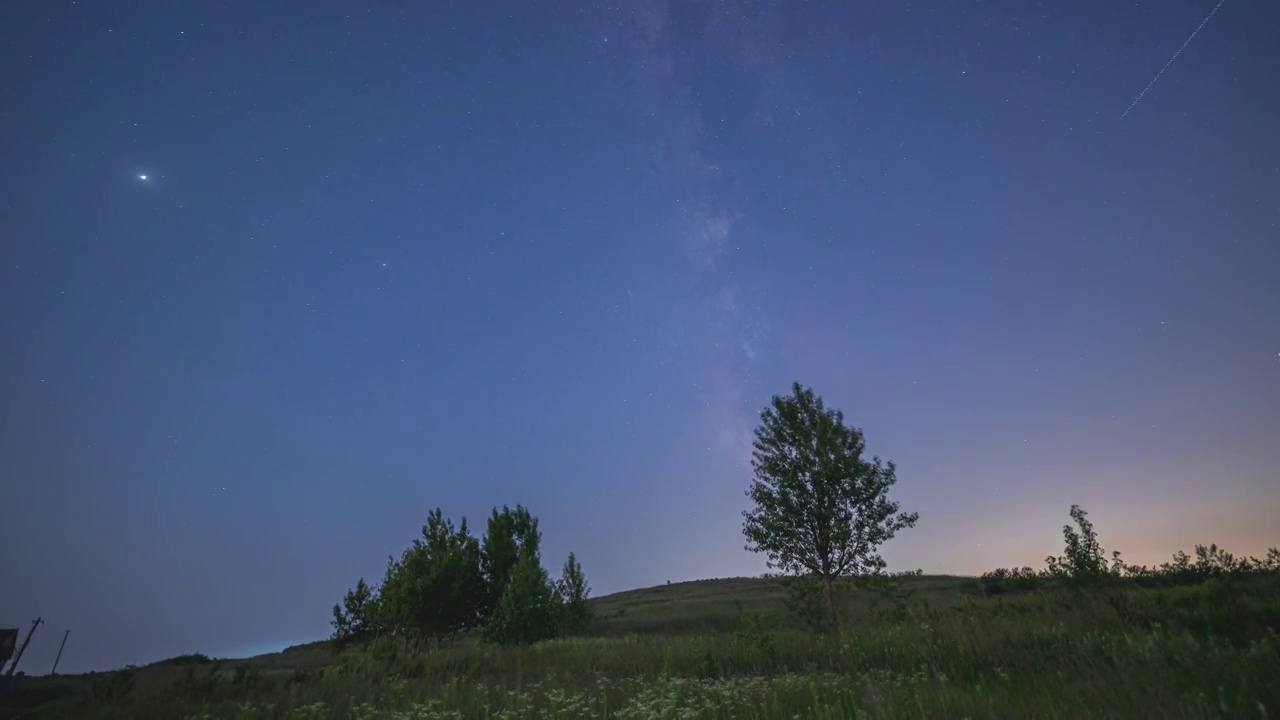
(573, 591)
(820, 509)
(354, 618)
(529, 609)
(449, 582)
(509, 534)
(435, 590)
(1007, 580)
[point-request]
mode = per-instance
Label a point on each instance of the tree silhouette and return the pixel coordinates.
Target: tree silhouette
(509, 534)
(529, 609)
(821, 509)
(435, 589)
(573, 591)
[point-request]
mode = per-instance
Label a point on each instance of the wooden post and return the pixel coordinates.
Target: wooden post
(54, 671)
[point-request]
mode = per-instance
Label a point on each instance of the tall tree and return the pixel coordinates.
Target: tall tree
(574, 590)
(435, 589)
(529, 609)
(353, 619)
(820, 508)
(509, 534)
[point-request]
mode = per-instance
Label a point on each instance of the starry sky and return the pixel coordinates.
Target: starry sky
(396, 255)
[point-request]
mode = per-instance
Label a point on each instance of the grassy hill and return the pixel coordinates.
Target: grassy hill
(727, 649)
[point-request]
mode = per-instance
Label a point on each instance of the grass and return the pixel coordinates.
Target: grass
(726, 649)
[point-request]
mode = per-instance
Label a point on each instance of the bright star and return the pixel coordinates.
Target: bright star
(142, 177)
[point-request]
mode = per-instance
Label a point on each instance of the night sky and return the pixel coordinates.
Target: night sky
(396, 255)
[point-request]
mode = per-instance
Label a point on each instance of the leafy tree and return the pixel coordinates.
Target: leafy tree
(436, 588)
(354, 618)
(573, 590)
(448, 582)
(1083, 561)
(820, 508)
(529, 609)
(509, 533)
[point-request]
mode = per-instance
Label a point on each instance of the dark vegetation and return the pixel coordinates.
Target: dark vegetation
(821, 508)
(462, 627)
(449, 583)
(1084, 564)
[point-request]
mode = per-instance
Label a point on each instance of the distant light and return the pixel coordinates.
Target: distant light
(142, 177)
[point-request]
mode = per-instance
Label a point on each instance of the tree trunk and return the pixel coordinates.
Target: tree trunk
(829, 602)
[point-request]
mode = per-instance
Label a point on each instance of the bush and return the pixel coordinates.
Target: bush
(111, 687)
(1084, 564)
(1010, 580)
(803, 600)
(188, 659)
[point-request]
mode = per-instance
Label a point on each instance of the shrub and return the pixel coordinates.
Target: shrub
(111, 687)
(803, 600)
(1010, 580)
(1084, 564)
(1083, 561)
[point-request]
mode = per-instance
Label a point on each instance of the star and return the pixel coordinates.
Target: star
(142, 177)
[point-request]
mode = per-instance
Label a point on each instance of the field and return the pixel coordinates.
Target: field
(726, 649)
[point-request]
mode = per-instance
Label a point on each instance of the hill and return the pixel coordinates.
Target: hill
(684, 608)
(727, 648)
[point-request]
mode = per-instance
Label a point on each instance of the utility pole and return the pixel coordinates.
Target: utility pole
(13, 666)
(54, 671)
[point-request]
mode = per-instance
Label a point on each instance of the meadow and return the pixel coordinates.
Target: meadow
(945, 647)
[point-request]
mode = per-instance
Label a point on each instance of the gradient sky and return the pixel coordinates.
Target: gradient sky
(397, 255)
